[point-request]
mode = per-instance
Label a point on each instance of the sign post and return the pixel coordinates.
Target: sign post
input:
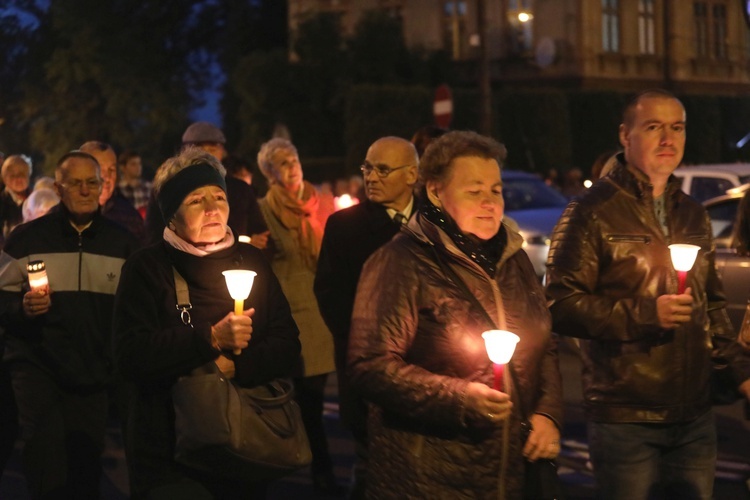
(442, 106)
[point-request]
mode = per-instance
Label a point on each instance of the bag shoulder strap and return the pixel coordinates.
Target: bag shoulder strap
(456, 280)
(183, 298)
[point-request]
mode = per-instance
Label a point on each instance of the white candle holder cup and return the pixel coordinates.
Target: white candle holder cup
(239, 284)
(683, 259)
(500, 345)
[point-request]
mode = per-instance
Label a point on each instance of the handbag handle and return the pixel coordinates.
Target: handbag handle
(454, 278)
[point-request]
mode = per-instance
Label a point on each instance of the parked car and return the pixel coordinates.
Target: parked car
(733, 269)
(535, 207)
(704, 182)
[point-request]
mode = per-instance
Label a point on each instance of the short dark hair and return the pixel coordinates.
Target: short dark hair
(425, 135)
(655, 93)
(126, 156)
(439, 155)
(235, 164)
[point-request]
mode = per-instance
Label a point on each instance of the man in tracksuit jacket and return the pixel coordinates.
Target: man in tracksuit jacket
(58, 337)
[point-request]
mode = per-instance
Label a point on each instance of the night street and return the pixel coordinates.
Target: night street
(732, 471)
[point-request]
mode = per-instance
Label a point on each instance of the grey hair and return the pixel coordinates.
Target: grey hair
(191, 155)
(13, 160)
(268, 149)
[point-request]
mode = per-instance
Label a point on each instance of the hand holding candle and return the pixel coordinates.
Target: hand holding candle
(500, 345)
(239, 283)
(683, 258)
(37, 276)
(37, 300)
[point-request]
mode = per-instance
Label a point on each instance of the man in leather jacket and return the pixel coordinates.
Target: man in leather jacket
(646, 348)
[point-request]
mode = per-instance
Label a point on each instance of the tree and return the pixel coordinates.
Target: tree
(243, 28)
(306, 96)
(123, 71)
(18, 22)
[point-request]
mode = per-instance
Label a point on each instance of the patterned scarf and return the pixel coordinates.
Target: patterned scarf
(301, 217)
(485, 253)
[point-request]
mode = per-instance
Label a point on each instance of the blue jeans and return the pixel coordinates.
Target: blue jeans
(648, 461)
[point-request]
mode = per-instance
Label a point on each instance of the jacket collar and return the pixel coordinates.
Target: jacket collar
(634, 181)
(426, 232)
(64, 214)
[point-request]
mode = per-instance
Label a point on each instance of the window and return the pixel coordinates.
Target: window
(454, 26)
(393, 7)
(710, 29)
(610, 26)
(701, 29)
(333, 5)
(720, 31)
(705, 188)
(646, 26)
(722, 215)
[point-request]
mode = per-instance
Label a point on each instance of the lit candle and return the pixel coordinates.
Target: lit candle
(239, 283)
(37, 275)
(344, 201)
(500, 345)
(683, 258)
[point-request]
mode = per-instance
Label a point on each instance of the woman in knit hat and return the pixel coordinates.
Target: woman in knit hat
(155, 343)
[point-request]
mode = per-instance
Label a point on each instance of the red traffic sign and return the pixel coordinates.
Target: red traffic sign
(442, 106)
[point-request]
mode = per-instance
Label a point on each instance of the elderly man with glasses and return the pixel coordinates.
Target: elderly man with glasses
(351, 236)
(58, 334)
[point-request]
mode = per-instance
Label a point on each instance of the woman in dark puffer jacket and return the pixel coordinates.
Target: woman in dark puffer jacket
(437, 429)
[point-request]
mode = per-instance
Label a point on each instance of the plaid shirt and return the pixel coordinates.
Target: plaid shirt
(138, 195)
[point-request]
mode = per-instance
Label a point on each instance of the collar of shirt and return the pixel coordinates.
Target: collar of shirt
(406, 211)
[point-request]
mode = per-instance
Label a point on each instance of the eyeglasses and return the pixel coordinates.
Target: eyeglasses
(76, 184)
(383, 171)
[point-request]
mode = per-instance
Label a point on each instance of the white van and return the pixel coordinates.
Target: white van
(703, 182)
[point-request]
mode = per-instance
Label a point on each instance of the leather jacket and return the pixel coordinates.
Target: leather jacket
(609, 261)
(416, 345)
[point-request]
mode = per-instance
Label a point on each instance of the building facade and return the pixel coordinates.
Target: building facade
(700, 46)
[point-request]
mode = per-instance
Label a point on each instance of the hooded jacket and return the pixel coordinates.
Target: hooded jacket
(609, 262)
(416, 345)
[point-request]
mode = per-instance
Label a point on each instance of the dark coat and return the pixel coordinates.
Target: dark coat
(120, 210)
(10, 214)
(416, 345)
(153, 347)
(351, 236)
(245, 216)
(609, 262)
